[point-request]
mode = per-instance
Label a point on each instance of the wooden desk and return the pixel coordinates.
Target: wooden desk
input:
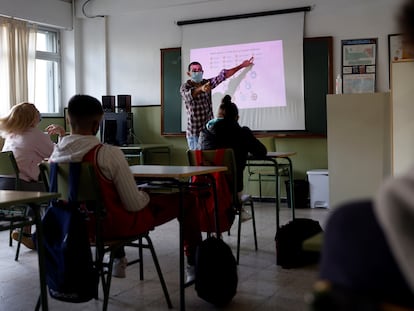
(272, 159)
(179, 175)
(141, 150)
(33, 199)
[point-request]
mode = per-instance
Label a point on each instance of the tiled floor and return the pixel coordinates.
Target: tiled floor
(262, 284)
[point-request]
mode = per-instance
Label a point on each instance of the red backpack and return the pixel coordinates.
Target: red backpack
(205, 197)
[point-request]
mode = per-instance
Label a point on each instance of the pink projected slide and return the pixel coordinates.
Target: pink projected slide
(262, 85)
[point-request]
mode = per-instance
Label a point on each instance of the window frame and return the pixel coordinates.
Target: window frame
(53, 57)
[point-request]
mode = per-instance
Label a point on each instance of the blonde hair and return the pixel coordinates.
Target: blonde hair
(21, 117)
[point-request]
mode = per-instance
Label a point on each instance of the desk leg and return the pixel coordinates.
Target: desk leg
(141, 158)
(41, 257)
(181, 237)
(291, 187)
(277, 192)
(216, 212)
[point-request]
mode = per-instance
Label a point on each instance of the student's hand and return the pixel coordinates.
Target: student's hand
(247, 62)
(55, 129)
(206, 87)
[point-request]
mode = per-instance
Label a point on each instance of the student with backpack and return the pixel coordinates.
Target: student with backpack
(130, 211)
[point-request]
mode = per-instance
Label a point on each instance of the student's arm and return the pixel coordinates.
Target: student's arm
(41, 143)
(255, 146)
(55, 129)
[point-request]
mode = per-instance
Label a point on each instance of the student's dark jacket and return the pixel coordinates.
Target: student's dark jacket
(225, 133)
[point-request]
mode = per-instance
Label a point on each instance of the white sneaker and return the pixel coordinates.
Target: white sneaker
(190, 273)
(245, 215)
(119, 267)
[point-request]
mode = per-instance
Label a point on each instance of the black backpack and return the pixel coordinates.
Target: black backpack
(289, 239)
(216, 272)
(70, 272)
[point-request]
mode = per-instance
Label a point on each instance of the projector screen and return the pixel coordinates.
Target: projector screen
(269, 94)
(251, 88)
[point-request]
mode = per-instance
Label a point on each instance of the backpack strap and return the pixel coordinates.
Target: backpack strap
(199, 157)
(219, 158)
(74, 176)
(92, 155)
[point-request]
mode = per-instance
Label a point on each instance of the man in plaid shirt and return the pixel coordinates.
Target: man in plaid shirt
(196, 93)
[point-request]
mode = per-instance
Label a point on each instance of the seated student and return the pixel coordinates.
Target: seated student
(130, 211)
(29, 146)
(360, 268)
(225, 132)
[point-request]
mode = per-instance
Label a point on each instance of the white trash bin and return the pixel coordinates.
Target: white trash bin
(318, 188)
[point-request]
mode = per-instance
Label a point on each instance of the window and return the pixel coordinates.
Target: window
(29, 66)
(46, 86)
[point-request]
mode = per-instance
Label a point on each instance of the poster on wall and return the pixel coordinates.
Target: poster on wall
(359, 58)
(397, 50)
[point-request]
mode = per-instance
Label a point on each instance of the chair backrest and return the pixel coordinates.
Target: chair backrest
(88, 192)
(228, 160)
(8, 167)
(88, 185)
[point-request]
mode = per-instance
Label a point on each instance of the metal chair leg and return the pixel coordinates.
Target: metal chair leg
(238, 235)
(254, 225)
(158, 268)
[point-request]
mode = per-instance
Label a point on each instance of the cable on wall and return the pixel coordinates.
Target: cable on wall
(84, 12)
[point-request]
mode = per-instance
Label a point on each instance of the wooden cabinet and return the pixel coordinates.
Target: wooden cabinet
(359, 144)
(402, 103)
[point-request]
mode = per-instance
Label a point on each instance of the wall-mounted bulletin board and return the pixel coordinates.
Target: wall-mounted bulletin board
(359, 61)
(318, 82)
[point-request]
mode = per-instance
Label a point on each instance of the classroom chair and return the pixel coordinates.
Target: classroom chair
(17, 216)
(90, 194)
(265, 174)
(246, 200)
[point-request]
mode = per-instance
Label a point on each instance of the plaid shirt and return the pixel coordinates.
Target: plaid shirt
(200, 108)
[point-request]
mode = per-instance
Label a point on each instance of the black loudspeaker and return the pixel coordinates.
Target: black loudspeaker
(108, 103)
(130, 128)
(109, 132)
(124, 103)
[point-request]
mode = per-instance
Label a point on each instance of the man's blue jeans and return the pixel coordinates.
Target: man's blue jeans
(193, 142)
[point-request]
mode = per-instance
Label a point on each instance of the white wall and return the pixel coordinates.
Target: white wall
(135, 36)
(55, 13)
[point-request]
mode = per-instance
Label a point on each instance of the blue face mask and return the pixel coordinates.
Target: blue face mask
(197, 76)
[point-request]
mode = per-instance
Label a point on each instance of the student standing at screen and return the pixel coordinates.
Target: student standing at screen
(196, 93)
